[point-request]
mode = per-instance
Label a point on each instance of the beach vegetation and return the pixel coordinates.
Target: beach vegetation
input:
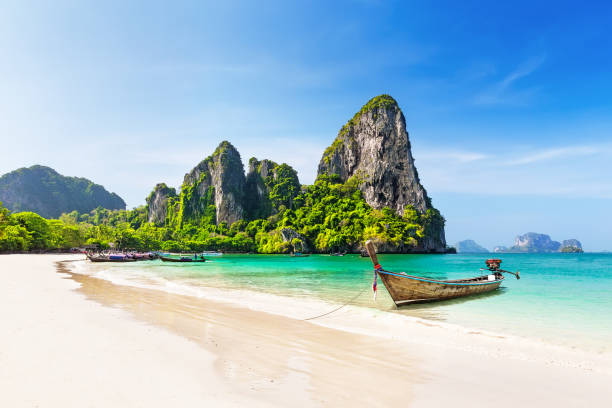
(328, 216)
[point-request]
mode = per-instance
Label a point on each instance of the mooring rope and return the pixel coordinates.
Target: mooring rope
(339, 307)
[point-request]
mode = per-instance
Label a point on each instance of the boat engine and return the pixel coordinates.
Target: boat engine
(493, 264)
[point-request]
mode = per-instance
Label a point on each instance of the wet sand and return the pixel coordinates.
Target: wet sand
(73, 340)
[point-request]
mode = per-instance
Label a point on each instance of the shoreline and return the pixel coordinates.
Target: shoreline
(355, 318)
(233, 355)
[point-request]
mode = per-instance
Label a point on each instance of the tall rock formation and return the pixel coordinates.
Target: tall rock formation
(571, 245)
(49, 194)
(534, 242)
(373, 149)
(538, 243)
(159, 202)
(269, 186)
(258, 204)
(469, 246)
(213, 191)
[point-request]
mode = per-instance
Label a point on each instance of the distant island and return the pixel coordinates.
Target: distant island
(367, 187)
(44, 191)
(469, 246)
(533, 242)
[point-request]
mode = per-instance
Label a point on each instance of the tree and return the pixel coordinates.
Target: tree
(37, 227)
(14, 238)
(5, 215)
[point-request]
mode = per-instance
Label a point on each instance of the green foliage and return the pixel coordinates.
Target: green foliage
(571, 249)
(37, 227)
(283, 185)
(328, 216)
(193, 206)
(269, 190)
(29, 231)
(14, 238)
(49, 194)
(334, 216)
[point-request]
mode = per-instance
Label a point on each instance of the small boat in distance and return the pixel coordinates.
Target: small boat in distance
(299, 254)
(406, 289)
(110, 258)
(183, 258)
(338, 253)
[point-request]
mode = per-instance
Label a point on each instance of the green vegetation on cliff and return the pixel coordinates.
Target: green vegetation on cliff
(48, 193)
(571, 249)
(269, 188)
(381, 101)
(330, 216)
(268, 211)
(219, 176)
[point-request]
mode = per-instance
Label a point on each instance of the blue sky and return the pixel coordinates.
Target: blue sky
(508, 106)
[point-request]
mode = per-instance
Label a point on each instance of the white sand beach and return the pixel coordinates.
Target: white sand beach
(73, 340)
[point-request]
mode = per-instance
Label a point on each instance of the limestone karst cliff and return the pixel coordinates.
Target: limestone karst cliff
(159, 202)
(217, 191)
(470, 246)
(539, 243)
(373, 149)
(571, 245)
(368, 188)
(268, 187)
(213, 191)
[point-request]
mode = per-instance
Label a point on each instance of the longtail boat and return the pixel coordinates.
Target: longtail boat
(407, 289)
(110, 258)
(183, 259)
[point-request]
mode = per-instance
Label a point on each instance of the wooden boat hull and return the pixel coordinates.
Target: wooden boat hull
(407, 289)
(166, 259)
(105, 259)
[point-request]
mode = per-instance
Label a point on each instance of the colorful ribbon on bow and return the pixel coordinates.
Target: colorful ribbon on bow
(377, 267)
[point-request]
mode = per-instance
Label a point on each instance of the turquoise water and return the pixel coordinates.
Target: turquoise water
(561, 298)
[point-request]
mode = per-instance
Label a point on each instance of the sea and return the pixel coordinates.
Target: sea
(562, 299)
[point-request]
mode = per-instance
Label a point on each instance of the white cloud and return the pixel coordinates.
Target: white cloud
(502, 92)
(549, 154)
(560, 171)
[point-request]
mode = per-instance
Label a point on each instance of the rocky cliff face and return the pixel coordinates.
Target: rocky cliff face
(214, 189)
(269, 186)
(373, 149)
(534, 242)
(571, 245)
(470, 246)
(158, 203)
(257, 203)
(290, 235)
